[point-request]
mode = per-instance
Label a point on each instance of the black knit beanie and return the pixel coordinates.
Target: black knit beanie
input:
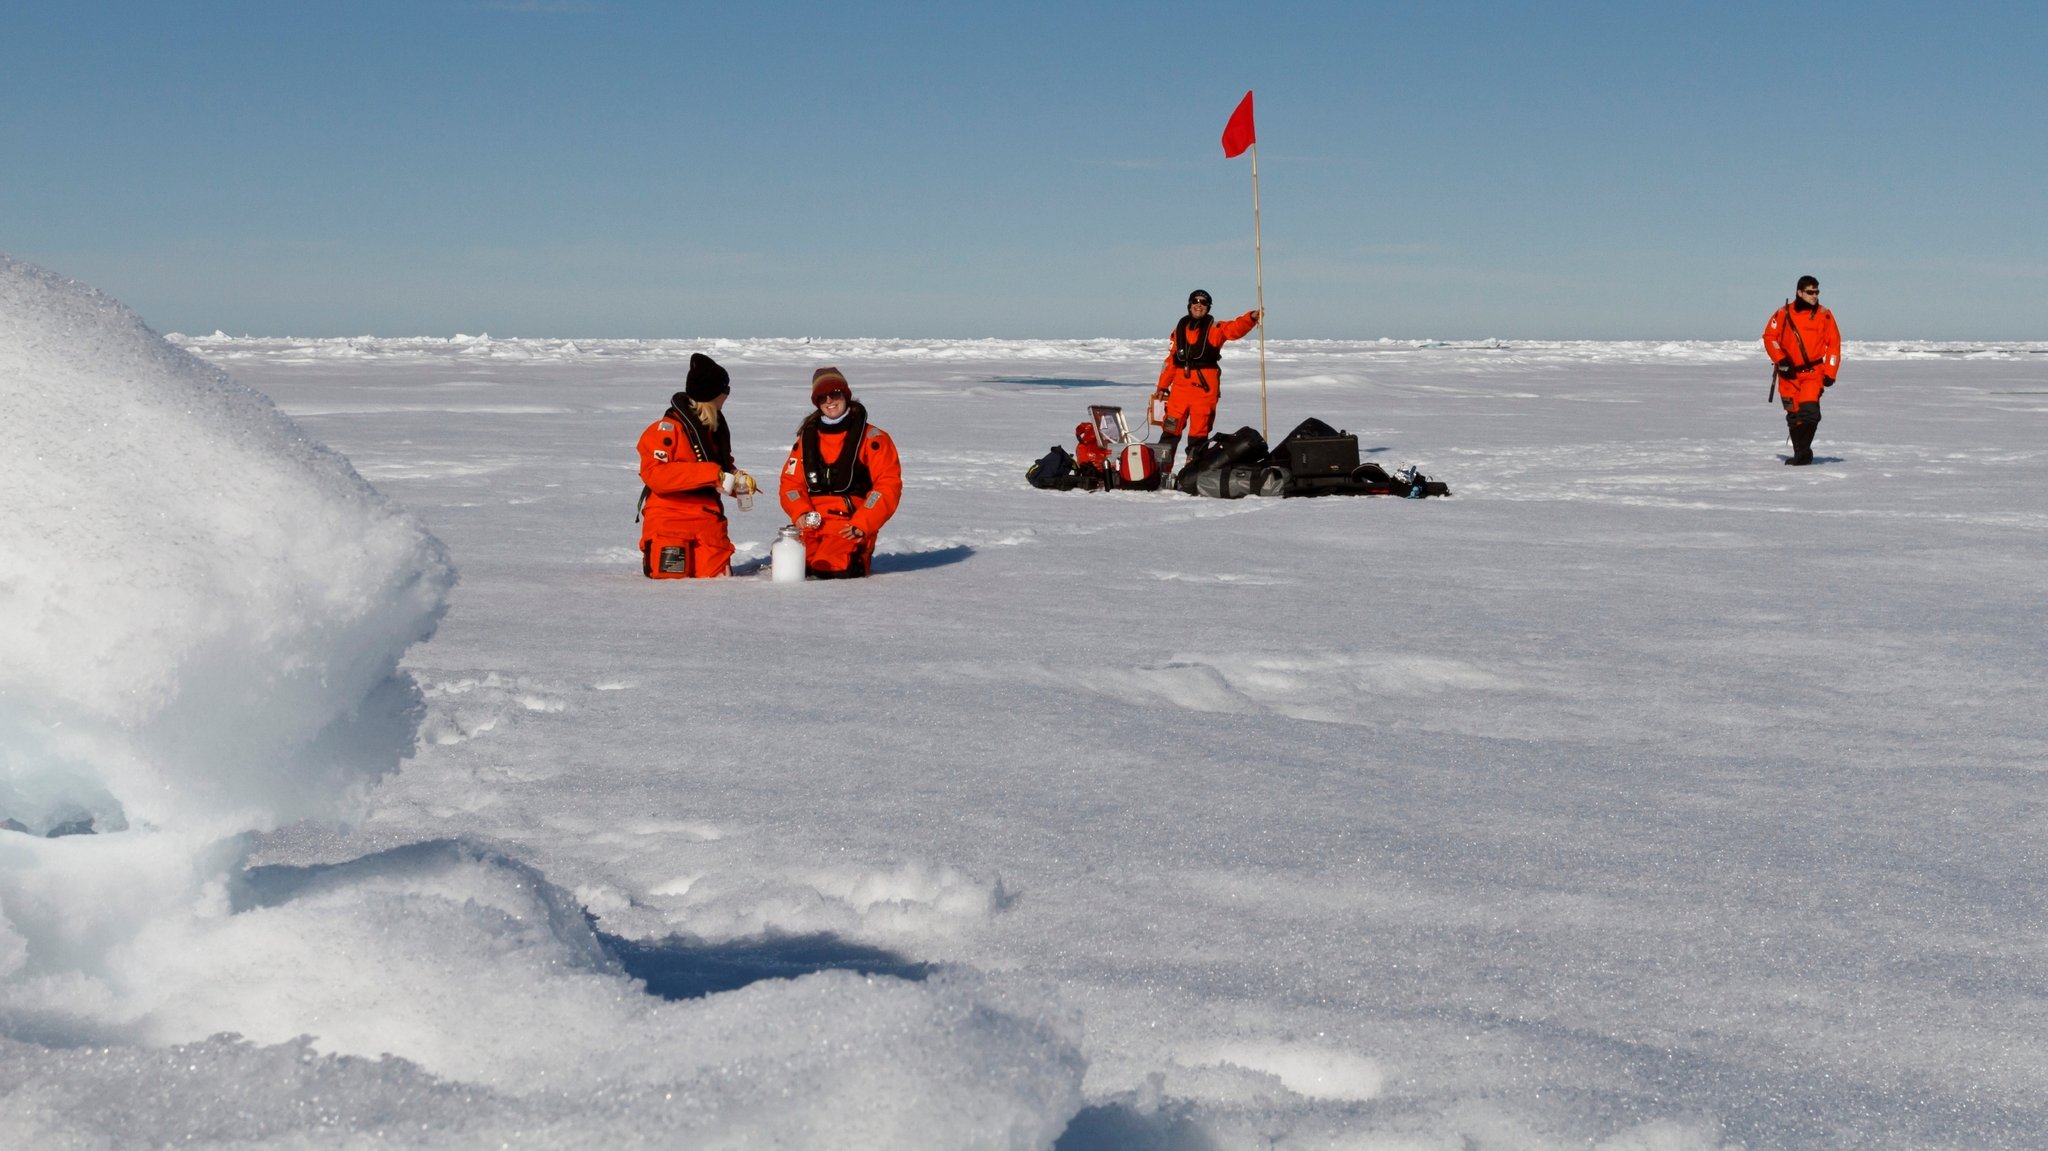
(706, 381)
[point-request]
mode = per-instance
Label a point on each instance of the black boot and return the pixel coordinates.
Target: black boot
(1184, 478)
(1166, 449)
(1802, 442)
(1801, 425)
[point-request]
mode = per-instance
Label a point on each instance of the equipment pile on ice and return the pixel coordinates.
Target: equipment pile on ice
(1314, 459)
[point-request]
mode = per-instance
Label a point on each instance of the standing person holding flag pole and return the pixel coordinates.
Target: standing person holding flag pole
(1238, 135)
(1191, 381)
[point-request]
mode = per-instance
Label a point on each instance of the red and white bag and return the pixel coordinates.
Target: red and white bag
(1135, 467)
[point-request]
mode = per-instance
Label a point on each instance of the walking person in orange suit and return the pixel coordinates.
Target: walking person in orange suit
(842, 481)
(1192, 380)
(686, 465)
(1806, 351)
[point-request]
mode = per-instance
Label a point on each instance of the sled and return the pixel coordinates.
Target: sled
(1114, 431)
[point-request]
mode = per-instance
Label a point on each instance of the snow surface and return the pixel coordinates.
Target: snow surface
(1643, 794)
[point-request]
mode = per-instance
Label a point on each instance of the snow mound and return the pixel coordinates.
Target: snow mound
(201, 617)
(503, 1015)
(201, 609)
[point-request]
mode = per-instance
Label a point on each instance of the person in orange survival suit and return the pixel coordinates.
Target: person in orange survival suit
(686, 462)
(1806, 349)
(1193, 376)
(842, 482)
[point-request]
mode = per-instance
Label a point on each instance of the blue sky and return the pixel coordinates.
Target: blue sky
(617, 168)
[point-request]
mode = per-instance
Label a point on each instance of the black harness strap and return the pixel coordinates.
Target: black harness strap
(1198, 352)
(695, 434)
(1808, 360)
(846, 476)
(1785, 324)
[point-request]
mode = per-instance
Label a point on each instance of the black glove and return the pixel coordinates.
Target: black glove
(1786, 369)
(1827, 381)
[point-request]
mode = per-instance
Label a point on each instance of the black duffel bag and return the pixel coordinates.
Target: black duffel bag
(1244, 447)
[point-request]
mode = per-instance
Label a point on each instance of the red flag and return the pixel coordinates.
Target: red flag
(1239, 133)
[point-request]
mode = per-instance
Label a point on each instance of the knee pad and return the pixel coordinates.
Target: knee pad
(666, 559)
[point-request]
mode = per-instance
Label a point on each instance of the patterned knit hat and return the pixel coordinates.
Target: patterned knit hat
(826, 380)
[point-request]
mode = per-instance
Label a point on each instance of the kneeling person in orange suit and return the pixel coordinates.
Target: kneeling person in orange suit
(842, 482)
(685, 463)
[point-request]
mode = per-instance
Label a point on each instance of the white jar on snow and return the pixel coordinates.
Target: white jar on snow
(786, 555)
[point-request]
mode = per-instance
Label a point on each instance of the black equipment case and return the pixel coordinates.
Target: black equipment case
(1314, 450)
(1316, 458)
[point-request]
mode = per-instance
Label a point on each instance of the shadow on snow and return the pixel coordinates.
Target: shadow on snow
(677, 967)
(1060, 382)
(919, 561)
(683, 968)
(882, 564)
(1120, 1127)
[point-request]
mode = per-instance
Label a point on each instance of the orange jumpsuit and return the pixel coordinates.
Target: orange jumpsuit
(862, 492)
(1809, 338)
(1191, 392)
(682, 524)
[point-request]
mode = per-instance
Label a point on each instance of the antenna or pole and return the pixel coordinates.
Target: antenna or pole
(1259, 270)
(1241, 133)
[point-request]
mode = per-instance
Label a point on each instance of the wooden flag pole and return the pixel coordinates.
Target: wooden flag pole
(1259, 270)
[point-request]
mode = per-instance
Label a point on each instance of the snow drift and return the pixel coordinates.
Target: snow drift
(201, 609)
(201, 616)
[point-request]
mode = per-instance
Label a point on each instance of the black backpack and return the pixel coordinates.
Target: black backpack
(1053, 471)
